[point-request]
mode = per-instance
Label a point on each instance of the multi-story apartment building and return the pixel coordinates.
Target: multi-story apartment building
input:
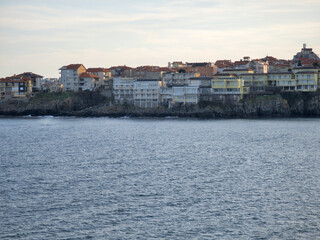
(35, 78)
(223, 64)
(203, 68)
(88, 81)
(256, 81)
(149, 72)
(228, 86)
(259, 66)
(104, 76)
(307, 81)
(121, 71)
(166, 95)
(146, 93)
(283, 80)
(177, 79)
(123, 90)
(15, 87)
(185, 94)
(70, 77)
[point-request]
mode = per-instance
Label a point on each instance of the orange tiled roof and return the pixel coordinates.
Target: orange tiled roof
(121, 67)
(15, 78)
(240, 63)
(223, 63)
(88, 75)
(29, 74)
(74, 66)
(98, 70)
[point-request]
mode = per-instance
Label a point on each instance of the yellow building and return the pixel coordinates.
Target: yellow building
(256, 81)
(307, 81)
(284, 80)
(239, 71)
(229, 84)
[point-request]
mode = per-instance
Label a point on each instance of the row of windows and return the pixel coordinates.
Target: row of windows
(227, 90)
(306, 87)
(146, 90)
(145, 100)
(146, 95)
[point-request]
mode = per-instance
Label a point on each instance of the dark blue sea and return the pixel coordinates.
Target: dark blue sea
(101, 178)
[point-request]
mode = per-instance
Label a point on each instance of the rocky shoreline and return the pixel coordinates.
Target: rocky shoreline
(91, 104)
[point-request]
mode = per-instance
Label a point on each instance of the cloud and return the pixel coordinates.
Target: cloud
(140, 32)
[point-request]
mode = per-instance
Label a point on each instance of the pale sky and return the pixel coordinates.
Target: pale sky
(41, 36)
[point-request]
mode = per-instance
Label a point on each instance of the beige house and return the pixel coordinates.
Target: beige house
(104, 74)
(70, 77)
(88, 81)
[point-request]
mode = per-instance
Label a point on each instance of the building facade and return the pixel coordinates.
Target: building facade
(228, 86)
(35, 78)
(88, 81)
(104, 75)
(177, 79)
(123, 90)
(146, 93)
(15, 87)
(70, 77)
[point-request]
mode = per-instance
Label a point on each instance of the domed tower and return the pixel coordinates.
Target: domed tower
(306, 53)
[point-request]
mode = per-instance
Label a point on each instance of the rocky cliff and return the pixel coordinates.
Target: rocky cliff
(87, 104)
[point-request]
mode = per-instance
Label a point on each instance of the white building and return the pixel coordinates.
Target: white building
(186, 95)
(146, 93)
(166, 95)
(123, 89)
(70, 77)
(200, 81)
(175, 78)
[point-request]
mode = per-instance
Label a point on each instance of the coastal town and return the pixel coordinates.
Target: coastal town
(181, 83)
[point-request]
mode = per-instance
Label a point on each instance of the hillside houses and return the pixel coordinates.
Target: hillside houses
(150, 86)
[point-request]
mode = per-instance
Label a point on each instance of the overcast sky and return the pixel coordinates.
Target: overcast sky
(42, 35)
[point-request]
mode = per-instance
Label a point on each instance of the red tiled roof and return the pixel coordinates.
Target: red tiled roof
(152, 69)
(29, 74)
(74, 66)
(98, 70)
(121, 67)
(223, 63)
(241, 62)
(15, 78)
(88, 75)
